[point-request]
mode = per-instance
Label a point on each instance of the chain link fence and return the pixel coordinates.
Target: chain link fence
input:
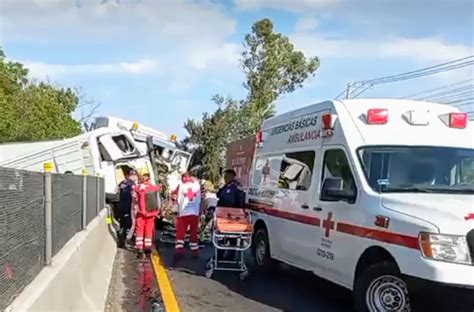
(24, 246)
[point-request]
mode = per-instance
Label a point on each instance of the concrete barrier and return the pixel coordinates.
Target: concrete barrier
(79, 277)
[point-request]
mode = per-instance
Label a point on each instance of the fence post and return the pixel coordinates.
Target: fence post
(48, 212)
(84, 199)
(98, 194)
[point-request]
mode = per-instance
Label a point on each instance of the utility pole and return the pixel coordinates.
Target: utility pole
(347, 90)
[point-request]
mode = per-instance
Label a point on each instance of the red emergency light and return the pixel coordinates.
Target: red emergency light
(327, 122)
(458, 120)
(377, 116)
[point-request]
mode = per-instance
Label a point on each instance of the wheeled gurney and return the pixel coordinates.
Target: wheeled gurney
(231, 231)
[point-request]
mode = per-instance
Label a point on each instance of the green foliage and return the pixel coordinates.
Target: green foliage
(211, 135)
(272, 67)
(33, 111)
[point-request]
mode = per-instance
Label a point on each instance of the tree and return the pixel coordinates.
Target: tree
(272, 68)
(33, 111)
(209, 137)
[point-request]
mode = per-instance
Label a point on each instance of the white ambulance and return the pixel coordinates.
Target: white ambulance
(372, 194)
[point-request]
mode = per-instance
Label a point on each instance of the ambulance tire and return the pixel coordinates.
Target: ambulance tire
(377, 280)
(261, 252)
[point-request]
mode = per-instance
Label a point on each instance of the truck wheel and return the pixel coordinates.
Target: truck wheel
(261, 252)
(380, 287)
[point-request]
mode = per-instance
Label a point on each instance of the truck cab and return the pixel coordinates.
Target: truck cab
(374, 195)
(170, 160)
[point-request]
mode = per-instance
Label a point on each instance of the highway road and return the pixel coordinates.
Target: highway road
(134, 288)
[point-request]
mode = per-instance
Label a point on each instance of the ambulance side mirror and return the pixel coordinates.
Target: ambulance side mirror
(334, 190)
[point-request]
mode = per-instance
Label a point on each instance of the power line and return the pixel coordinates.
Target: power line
(462, 100)
(459, 63)
(464, 103)
(363, 90)
(448, 92)
(452, 96)
(436, 89)
(431, 70)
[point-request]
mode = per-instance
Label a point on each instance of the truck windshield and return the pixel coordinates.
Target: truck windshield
(419, 169)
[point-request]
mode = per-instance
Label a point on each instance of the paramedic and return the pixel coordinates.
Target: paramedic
(188, 197)
(146, 204)
(125, 205)
(231, 194)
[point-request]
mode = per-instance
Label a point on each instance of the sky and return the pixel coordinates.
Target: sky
(159, 62)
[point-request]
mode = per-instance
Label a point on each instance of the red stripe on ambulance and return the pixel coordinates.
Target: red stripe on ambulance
(269, 210)
(346, 228)
(383, 236)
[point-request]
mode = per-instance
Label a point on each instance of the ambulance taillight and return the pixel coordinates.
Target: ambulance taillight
(458, 120)
(377, 116)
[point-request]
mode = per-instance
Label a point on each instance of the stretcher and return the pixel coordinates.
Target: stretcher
(231, 232)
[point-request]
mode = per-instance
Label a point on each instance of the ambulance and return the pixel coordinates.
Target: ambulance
(376, 195)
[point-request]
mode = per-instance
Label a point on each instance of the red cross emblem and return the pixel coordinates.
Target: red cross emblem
(190, 194)
(328, 224)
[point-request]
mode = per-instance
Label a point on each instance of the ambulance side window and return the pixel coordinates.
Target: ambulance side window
(296, 170)
(266, 171)
(336, 166)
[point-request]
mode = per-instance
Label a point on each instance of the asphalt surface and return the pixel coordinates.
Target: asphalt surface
(287, 289)
(134, 288)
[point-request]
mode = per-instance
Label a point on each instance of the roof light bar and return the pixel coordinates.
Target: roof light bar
(458, 120)
(377, 116)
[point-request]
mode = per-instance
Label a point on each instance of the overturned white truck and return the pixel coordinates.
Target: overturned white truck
(107, 152)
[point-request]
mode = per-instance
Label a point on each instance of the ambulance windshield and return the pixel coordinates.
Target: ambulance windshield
(419, 169)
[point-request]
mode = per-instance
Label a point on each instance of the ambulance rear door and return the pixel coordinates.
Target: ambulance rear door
(297, 220)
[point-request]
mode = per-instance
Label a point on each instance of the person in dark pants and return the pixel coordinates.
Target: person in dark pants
(125, 206)
(230, 195)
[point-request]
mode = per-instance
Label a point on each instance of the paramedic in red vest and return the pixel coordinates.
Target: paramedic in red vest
(188, 197)
(146, 199)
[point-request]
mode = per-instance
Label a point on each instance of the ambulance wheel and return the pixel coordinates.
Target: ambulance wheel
(380, 287)
(261, 251)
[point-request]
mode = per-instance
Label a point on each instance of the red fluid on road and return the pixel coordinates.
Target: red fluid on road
(146, 280)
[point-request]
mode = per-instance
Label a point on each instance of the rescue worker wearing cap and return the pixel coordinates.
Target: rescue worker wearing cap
(231, 195)
(147, 204)
(188, 198)
(125, 189)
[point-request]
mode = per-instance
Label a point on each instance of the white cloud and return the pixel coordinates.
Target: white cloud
(185, 33)
(42, 70)
(423, 50)
(306, 23)
(201, 58)
(290, 5)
